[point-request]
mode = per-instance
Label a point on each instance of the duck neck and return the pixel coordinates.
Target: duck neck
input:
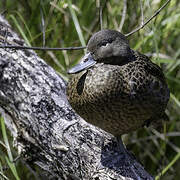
(118, 60)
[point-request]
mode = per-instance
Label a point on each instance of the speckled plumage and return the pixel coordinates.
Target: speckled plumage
(118, 94)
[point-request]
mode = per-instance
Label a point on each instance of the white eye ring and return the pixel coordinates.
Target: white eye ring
(105, 45)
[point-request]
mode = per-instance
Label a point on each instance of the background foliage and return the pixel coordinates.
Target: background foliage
(66, 23)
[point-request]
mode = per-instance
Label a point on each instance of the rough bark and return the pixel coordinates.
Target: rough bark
(47, 131)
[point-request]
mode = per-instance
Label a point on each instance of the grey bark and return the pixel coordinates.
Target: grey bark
(47, 131)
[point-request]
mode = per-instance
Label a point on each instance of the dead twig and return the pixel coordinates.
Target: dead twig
(123, 16)
(42, 48)
(144, 24)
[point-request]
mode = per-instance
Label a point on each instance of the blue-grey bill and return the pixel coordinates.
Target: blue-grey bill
(86, 62)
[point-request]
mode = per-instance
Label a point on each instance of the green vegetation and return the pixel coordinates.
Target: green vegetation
(68, 23)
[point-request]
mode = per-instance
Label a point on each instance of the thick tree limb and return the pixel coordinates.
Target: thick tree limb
(48, 132)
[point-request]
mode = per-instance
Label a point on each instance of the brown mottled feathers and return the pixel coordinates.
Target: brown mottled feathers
(119, 98)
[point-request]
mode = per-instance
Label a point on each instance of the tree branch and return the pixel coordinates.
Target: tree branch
(152, 17)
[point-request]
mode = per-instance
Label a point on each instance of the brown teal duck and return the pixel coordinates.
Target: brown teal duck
(116, 88)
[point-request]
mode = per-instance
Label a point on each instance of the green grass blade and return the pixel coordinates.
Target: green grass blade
(165, 61)
(40, 34)
(2, 176)
(2, 144)
(25, 25)
(76, 23)
(168, 166)
(173, 97)
(20, 30)
(173, 79)
(5, 138)
(3, 128)
(173, 65)
(12, 167)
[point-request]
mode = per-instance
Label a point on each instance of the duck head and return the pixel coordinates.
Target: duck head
(105, 46)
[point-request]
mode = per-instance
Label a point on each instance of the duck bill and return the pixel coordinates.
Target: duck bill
(86, 62)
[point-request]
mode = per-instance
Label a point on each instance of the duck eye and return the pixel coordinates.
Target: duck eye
(106, 42)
